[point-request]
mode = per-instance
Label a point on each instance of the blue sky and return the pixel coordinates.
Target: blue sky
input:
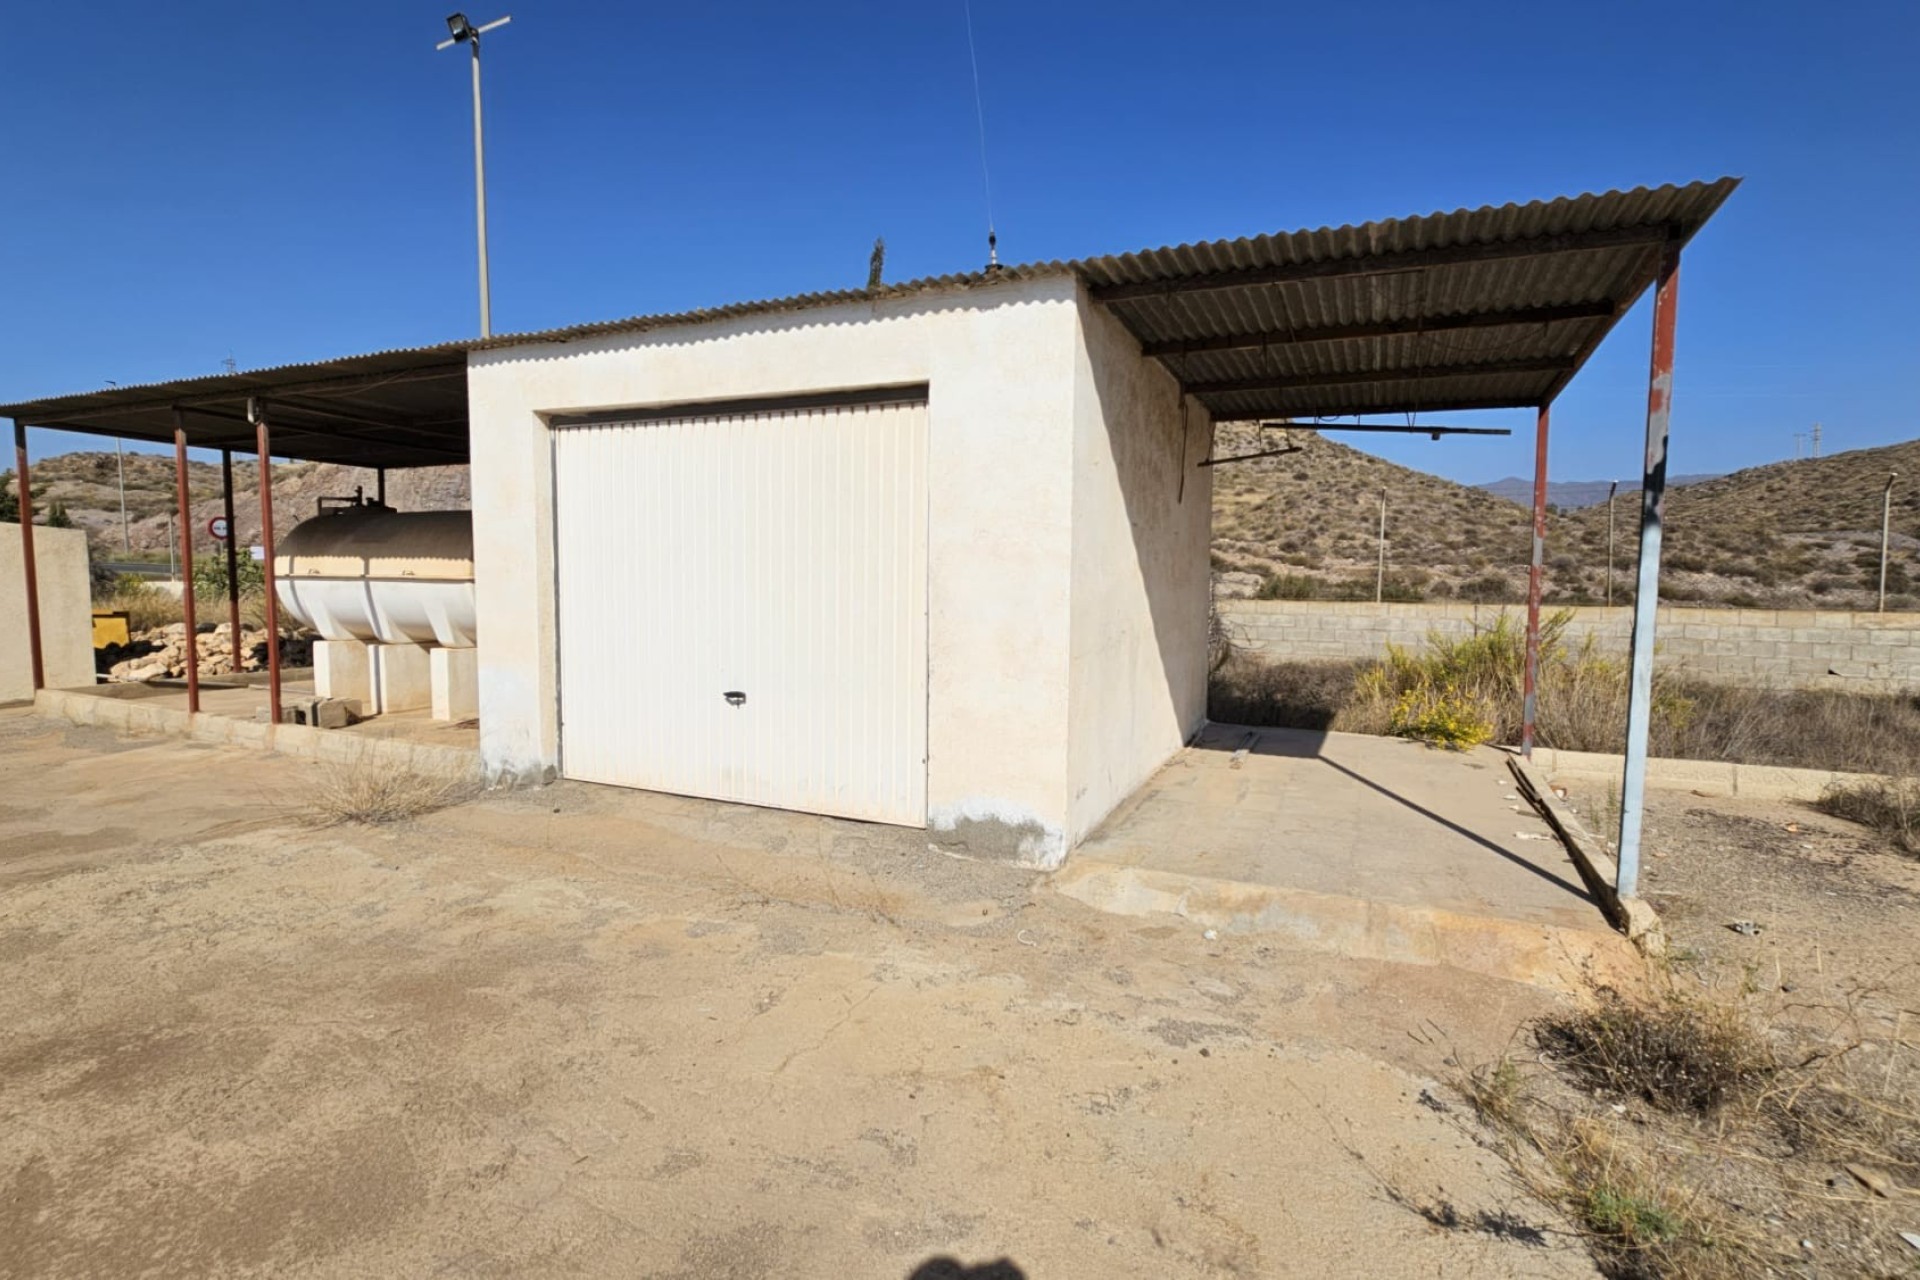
(277, 183)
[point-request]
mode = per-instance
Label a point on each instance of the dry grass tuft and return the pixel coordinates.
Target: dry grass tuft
(367, 793)
(145, 605)
(1889, 806)
(1497, 1093)
(1677, 1054)
(1640, 1225)
(1583, 707)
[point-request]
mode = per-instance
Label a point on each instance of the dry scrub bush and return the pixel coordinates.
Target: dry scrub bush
(1890, 806)
(1676, 1054)
(1582, 707)
(1582, 702)
(374, 794)
(145, 605)
(1748, 1104)
(1640, 1224)
(1247, 689)
(1810, 728)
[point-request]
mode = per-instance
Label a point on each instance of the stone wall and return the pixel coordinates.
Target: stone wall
(1865, 652)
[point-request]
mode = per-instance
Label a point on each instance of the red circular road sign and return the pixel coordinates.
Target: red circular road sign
(217, 528)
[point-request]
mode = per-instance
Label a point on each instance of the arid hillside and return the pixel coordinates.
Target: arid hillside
(1303, 525)
(1790, 535)
(86, 487)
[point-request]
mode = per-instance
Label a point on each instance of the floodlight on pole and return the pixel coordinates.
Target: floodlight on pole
(461, 31)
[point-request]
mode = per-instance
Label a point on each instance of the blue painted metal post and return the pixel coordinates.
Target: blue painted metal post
(1646, 599)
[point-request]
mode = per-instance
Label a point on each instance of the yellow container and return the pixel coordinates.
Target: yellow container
(109, 627)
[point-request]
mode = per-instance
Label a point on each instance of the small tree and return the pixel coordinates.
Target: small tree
(9, 498)
(57, 517)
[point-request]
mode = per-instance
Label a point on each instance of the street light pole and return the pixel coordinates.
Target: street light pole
(1886, 528)
(1380, 568)
(1613, 487)
(464, 32)
(126, 538)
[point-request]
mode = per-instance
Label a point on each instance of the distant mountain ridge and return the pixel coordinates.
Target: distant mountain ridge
(1569, 494)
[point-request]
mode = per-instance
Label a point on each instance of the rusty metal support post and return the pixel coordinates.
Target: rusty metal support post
(1646, 599)
(380, 485)
(183, 499)
(261, 442)
(233, 561)
(1530, 704)
(28, 569)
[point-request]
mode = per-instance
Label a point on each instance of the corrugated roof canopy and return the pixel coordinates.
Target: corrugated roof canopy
(391, 409)
(1477, 309)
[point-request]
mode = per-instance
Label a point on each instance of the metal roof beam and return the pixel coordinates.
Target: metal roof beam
(1426, 404)
(1381, 329)
(237, 387)
(1348, 378)
(1386, 263)
(282, 427)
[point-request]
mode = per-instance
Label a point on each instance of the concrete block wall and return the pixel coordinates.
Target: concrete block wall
(66, 611)
(1784, 648)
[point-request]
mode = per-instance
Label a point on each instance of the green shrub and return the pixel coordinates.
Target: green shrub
(1288, 586)
(210, 576)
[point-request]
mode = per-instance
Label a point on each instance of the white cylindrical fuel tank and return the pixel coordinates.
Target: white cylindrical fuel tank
(378, 576)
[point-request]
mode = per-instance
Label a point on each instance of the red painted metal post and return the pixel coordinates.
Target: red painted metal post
(28, 570)
(184, 500)
(233, 562)
(262, 442)
(1531, 693)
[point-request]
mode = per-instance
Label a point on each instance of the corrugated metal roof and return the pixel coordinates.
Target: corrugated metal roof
(1423, 276)
(1425, 293)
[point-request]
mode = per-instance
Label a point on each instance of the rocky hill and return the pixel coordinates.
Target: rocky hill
(1791, 534)
(1797, 534)
(86, 486)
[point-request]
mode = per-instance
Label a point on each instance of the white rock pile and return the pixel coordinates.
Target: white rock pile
(164, 653)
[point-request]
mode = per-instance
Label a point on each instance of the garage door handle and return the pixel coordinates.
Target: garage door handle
(734, 697)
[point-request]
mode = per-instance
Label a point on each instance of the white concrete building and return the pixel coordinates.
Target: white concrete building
(949, 547)
(932, 553)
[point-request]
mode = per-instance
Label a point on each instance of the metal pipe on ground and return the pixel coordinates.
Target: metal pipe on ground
(1531, 682)
(262, 442)
(1646, 600)
(28, 570)
(184, 501)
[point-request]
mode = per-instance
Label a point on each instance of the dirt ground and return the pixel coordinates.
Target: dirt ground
(580, 1031)
(1806, 924)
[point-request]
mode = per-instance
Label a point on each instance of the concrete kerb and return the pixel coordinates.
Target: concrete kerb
(301, 741)
(1711, 777)
(1562, 959)
(1631, 915)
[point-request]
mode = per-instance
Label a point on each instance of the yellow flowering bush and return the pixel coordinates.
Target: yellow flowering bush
(1441, 714)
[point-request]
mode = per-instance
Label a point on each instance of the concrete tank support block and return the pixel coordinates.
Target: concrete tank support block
(456, 683)
(343, 669)
(401, 677)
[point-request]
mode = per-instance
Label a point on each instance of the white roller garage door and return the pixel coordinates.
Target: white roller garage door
(742, 606)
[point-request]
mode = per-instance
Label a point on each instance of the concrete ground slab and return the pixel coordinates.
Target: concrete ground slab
(1371, 847)
(581, 1031)
(247, 704)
